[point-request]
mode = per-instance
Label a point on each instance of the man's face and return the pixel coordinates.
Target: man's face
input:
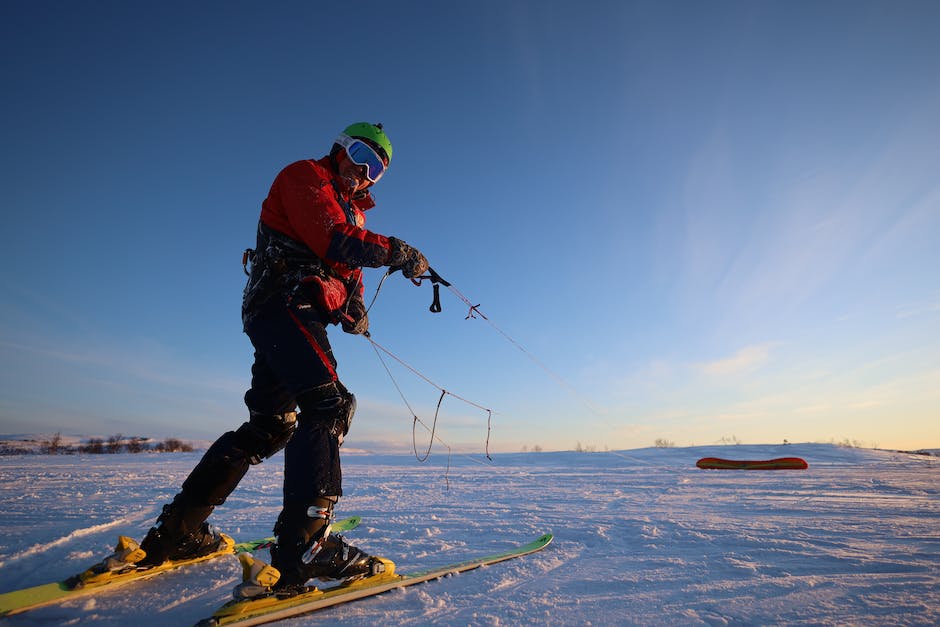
(352, 172)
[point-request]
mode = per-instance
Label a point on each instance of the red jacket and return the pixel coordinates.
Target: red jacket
(305, 204)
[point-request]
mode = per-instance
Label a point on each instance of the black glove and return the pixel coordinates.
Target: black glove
(353, 317)
(407, 258)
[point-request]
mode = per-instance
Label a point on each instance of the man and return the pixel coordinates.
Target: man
(305, 275)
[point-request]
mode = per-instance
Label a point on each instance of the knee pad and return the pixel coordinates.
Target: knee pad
(264, 435)
(330, 406)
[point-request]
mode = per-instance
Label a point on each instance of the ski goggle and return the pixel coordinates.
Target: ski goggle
(362, 153)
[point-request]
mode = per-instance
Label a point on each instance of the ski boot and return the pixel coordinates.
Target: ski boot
(307, 550)
(181, 534)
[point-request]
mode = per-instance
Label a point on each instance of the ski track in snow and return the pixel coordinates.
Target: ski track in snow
(45, 546)
(641, 537)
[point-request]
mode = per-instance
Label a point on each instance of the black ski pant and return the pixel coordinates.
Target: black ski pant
(293, 362)
(294, 366)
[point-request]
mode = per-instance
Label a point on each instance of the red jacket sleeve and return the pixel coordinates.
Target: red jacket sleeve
(303, 205)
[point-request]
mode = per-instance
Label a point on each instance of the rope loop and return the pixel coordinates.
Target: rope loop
(474, 313)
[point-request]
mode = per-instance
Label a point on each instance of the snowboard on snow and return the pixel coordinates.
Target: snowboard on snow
(271, 607)
(99, 577)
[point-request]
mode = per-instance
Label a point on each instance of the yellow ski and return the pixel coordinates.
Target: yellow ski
(99, 577)
(269, 608)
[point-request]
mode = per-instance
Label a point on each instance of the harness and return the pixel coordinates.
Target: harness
(277, 265)
(280, 264)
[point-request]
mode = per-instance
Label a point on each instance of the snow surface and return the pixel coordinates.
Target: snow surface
(642, 537)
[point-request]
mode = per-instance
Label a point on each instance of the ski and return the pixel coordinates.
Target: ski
(269, 608)
(91, 580)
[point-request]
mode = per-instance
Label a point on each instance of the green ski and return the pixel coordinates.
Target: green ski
(90, 581)
(269, 608)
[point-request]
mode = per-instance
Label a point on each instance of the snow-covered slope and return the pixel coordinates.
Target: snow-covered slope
(642, 536)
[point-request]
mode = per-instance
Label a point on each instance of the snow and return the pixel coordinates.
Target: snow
(642, 537)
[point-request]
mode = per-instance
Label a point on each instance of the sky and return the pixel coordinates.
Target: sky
(688, 222)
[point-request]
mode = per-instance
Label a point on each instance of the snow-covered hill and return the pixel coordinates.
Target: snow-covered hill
(642, 536)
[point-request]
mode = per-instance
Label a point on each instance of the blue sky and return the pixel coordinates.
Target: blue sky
(706, 220)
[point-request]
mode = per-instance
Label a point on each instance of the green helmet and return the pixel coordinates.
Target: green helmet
(373, 133)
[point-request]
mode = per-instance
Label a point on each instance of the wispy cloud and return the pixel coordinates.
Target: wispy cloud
(919, 309)
(149, 363)
(767, 247)
(746, 359)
